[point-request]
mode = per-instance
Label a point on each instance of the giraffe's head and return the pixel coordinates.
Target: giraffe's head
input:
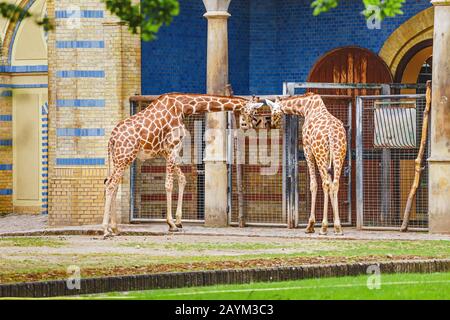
(277, 113)
(248, 113)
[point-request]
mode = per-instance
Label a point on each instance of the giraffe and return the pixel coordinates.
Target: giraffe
(157, 131)
(324, 144)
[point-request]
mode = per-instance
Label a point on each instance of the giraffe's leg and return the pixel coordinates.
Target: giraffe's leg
(114, 229)
(111, 187)
(181, 186)
(326, 188)
(108, 200)
(313, 190)
(334, 189)
(169, 188)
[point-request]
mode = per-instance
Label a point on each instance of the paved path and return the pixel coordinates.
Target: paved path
(37, 225)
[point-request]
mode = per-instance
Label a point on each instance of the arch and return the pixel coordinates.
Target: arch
(417, 29)
(12, 29)
(411, 63)
(350, 65)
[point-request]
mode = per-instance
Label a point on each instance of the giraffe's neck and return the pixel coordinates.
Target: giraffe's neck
(196, 104)
(303, 106)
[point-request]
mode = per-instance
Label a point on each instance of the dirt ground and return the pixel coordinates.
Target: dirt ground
(29, 253)
(11, 225)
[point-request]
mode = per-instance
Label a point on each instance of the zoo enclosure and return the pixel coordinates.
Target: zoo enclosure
(283, 199)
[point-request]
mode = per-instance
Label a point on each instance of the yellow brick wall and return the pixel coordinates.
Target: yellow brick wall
(6, 156)
(76, 190)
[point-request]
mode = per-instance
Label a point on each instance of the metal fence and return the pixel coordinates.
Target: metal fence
(373, 188)
(388, 134)
(256, 182)
(148, 191)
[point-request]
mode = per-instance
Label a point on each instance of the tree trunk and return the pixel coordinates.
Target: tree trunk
(418, 161)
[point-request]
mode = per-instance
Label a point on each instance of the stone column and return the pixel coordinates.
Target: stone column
(217, 79)
(439, 161)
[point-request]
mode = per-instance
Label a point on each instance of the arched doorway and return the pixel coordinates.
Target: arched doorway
(350, 65)
(416, 65)
(25, 98)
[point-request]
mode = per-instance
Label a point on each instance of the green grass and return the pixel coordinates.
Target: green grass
(31, 242)
(203, 246)
(392, 286)
(32, 263)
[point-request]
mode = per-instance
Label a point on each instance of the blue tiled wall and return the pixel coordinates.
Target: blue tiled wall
(300, 38)
(176, 61)
(270, 41)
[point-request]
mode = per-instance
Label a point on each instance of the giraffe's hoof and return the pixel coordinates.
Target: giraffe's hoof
(323, 231)
(310, 230)
(338, 231)
(179, 225)
(115, 231)
(173, 229)
(108, 235)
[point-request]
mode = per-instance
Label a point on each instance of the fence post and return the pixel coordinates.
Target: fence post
(385, 172)
(132, 171)
(349, 155)
(359, 164)
(290, 166)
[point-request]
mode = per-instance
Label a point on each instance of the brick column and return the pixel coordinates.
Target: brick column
(439, 162)
(217, 79)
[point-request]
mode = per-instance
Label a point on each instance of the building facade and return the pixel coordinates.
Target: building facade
(62, 92)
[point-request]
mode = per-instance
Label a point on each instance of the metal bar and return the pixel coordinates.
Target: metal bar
(408, 85)
(331, 85)
(393, 96)
(349, 155)
(294, 168)
(330, 224)
(393, 229)
(359, 164)
(260, 224)
(132, 172)
(137, 220)
(386, 169)
(230, 146)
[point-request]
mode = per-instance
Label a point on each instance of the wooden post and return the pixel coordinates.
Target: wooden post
(418, 166)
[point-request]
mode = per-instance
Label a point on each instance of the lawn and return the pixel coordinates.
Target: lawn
(392, 286)
(47, 258)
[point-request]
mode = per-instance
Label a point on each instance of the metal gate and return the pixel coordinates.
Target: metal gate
(148, 193)
(256, 182)
(388, 134)
(339, 103)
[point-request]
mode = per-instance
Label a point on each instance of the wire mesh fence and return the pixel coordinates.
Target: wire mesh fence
(388, 138)
(341, 108)
(149, 202)
(257, 181)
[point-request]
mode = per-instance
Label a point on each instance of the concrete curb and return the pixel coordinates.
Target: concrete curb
(206, 278)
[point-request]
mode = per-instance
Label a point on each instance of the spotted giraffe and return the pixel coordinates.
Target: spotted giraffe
(324, 144)
(158, 131)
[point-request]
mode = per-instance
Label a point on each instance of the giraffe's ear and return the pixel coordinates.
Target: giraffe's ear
(258, 105)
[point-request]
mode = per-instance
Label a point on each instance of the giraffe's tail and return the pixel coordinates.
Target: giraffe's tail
(110, 151)
(330, 164)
